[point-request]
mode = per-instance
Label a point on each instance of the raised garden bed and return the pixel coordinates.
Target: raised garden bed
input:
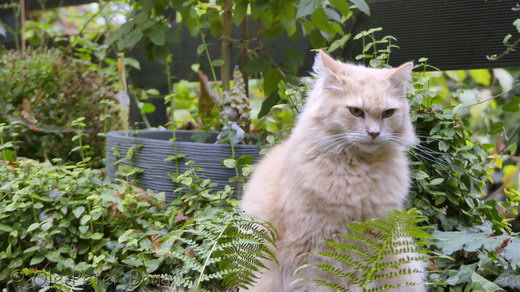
(198, 146)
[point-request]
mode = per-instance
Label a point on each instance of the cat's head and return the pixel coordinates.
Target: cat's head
(360, 106)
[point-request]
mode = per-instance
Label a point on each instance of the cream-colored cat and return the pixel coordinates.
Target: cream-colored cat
(345, 161)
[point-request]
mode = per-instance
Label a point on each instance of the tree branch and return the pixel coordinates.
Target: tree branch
(225, 44)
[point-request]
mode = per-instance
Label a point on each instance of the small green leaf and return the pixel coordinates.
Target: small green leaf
(362, 5)
(157, 35)
(31, 249)
(217, 62)
(36, 260)
(78, 211)
(84, 219)
(33, 227)
(175, 157)
(131, 151)
(46, 226)
(481, 284)
(201, 48)
(307, 7)
(83, 229)
(420, 174)
(258, 64)
(132, 262)
(124, 236)
(6, 228)
(293, 60)
(509, 279)
(245, 160)
(7, 155)
(496, 128)
(268, 103)
(131, 40)
(339, 43)
(229, 163)
(96, 236)
(258, 6)
(506, 39)
(516, 23)
(271, 79)
(153, 91)
(147, 108)
(512, 253)
(341, 5)
(436, 181)
(240, 11)
(513, 106)
(481, 76)
(153, 265)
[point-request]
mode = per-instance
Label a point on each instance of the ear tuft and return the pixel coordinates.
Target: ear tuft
(318, 69)
(324, 64)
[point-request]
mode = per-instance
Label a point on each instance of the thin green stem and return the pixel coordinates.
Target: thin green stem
(374, 44)
(34, 211)
(388, 53)
(213, 74)
(143, 115)
(3, 150)
(172, 109)
(206, 261)
(81, 150)
(232, 148)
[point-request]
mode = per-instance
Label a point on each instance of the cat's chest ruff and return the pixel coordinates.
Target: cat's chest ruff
(352, 188)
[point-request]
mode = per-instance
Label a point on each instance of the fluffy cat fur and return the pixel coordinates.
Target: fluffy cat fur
(331, 171)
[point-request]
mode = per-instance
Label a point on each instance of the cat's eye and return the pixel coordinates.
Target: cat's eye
(357, 112)
(388, 113)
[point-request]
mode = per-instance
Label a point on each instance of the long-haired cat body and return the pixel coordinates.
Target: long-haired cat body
(344, 161)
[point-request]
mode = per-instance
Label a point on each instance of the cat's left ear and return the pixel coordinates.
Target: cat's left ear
(402, 75)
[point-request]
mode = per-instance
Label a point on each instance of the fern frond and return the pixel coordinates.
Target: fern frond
(227, 247)
(388, 286)
(323, 283)
(344, 259)
(379, 249)
(396, 274)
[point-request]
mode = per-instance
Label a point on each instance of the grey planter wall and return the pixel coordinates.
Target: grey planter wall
(157, 147)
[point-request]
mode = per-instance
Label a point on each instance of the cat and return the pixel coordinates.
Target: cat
(344, 161)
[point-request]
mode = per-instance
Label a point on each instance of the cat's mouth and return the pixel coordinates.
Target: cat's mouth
(370, 145)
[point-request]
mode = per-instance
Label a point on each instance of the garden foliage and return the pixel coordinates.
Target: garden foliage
(70, 221)
(42, 91)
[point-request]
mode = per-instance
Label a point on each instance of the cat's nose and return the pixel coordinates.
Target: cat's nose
(373, 134)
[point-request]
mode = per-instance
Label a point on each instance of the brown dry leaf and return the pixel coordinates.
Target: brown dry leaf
(208, 98)
(144, 195)
(27, 111)
(181, 217)
(189, 252)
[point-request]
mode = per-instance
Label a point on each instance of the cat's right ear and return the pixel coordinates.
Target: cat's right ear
(323, 64)
(327, 68)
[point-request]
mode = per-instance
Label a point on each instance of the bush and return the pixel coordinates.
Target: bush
(43, 91)
(72, 223)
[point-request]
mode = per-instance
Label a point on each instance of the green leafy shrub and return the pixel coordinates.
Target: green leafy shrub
(495, 257)
(373, 249)
(71, 222)
(42, 91)
(448, 170)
